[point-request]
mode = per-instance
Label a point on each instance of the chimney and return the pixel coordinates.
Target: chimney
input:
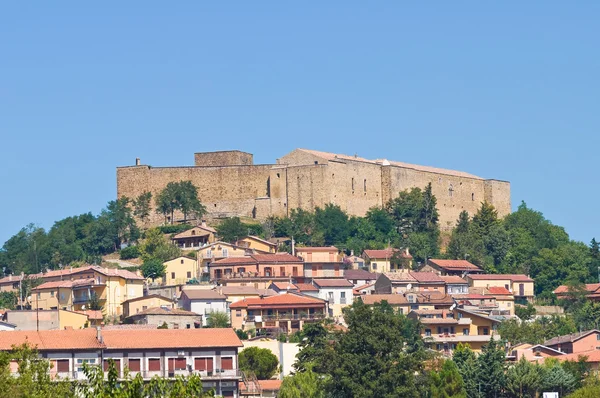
(10, 277)
(203, 223)
(137, 161)
(99, 334)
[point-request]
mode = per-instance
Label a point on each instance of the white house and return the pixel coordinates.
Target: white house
(337, 292)
(203, 301)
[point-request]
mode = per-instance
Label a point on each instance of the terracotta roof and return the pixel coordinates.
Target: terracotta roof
(392, 299)
(453, 279)
(266, 242)
(440, 321)
(500, 291)
(569, 338)
(284, 286)
(270, 385)
(164, 311)
(434, 297)
(400, 276)
(170, 338)
(276, 258)
(67, 284)
(198, 231)
(333, 157)
(590, 287)
(384, 253)
(454, 265)
(92, 314)
(491, 277)
(150, 296)
(235, 261)
(306, 287)
(203, 294)
(132, 326)
(427, 277)
(332, 283)
(73, 339)
(430, 312)
(280, 300)
(245, 291)
(359, 274)
(317, 249)
(356, 290)
(472, 296)
(592, 356)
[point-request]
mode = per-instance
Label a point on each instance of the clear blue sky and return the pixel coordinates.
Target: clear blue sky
(507, 91)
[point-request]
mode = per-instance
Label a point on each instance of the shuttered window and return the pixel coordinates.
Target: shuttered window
(62, 365)
(227, 363)
(177, 364)
(154, 365)
(203, 364)
(134, 365)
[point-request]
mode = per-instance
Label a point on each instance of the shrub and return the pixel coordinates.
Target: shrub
(129, 252)
(241, 334)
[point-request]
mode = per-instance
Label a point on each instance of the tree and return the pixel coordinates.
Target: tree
(315, 350)
(306, 384)
(447, 383)
(120, 216)
(557, 379)
(525, 313)
(466, 362)
(8, 300)
(153, 268)
(156, 246)
(231, 229)
(491, 361)
(524, 379)
(141, 206)
(260, 361)
(333, 222)
(217, 319)
(166, 201)
(187, 200)
(94, 302)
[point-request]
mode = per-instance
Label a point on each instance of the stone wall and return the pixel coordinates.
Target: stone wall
(223, 158)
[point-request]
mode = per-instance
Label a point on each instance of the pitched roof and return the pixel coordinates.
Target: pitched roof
(590, 287)
(359, 274)
(280, 300)
(592, 356)
(454, 265)
(440, 321)
(92, 314)
(427, 277)
(499, 291)
(125, 274)
(270, 385)
(332, 283)
(170, 338)
(164, 311)
(72, 339)
(306, 287)
(195, 232)
(150, 296)
(392, 299)
(570, 338)
(203, 294)
(317, 249)
(284, 286)
(356, 290)
(400, 276)
(453, 280)
(245, 291)
(337, 156)
(252, 237)
(434, 297)
(276, 258)
(67, 284)
(384, 253)
(491, 277)
(246, 260)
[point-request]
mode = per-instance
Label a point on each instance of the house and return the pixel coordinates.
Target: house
(355, 262)
(455, 284)
(576, 342)
(521, 286)
(337, 292)
(532, 353)
(94, 317)
(398, 301)
(395, 282)
(174, 318)
(258, 265)
(591, 291)
(179, 271)
(260, 388)
(591, 358)
(360, 277)
(321, 262)
(368, 288)
(204, 302)
(387, 260)
(54, 319)
(210, 353)
(428, 281)
(476, 302)
(504, 299)
(195, 238)
(282, 287)
(257, 282)
(308, 289)
(257, 244)
(444, 330)
(412, 300)
(237, 293)
(218, 250)
(285, 312)
(73, 289)
(139, 304)
(450, 267)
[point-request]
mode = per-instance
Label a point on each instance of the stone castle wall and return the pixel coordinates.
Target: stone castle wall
(304, 180)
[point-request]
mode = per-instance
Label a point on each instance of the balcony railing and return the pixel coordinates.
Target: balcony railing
(215, 374)
(284, 317)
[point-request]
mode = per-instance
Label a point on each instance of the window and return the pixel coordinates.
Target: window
(316, 162)
(117, 365)
(189, 274)
(154, 365)
(295, 271)
(365, 185)
(52, 293)
(144, 307)
(188, 326)
(427, 332)
(352, 184)
(241, 270)
(472, 197)
(465, 331)
(374, 265)
(82, 361)
(62, 365)
(172, 275)
(598, 336)
(134, 364)
(282, 271)
(238, 313)
(181, 261)
(177, 364)
(225, 252)
(450, 190)
(227, 363)
(209, 253)
(342, 297)
(203, 364)
(193, 233)
(486, 331)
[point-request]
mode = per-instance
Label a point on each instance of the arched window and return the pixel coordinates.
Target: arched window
(450, 190)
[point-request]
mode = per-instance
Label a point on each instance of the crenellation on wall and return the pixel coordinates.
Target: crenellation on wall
(307, 179)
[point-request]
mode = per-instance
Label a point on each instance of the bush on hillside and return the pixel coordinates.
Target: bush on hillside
(129, 252)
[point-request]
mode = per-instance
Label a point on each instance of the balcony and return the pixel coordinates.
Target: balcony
(284, 317)
(460, 338)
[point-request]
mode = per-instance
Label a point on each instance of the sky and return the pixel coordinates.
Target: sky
(506, 90)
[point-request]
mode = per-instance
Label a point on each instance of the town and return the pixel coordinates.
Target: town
(264, 306)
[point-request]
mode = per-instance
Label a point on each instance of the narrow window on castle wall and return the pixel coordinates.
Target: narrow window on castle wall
(450, 190)
(352, 184)
(365, 185)
(472, 196)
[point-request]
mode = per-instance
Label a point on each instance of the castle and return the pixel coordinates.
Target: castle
(230, 184)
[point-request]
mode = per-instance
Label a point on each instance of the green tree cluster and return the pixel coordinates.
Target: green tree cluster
(536, 332)
(179, 196)
(259, 361)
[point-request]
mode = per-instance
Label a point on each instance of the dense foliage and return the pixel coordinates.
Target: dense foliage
(181, 196)
(260, 361)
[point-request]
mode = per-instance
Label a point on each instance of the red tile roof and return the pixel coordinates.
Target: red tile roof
(270, 385)
(500, 291)
(92, 314)
(306, 287)
(317, 249)
(454, 265)
(356, 290)
(66, 284)
(286, 300)
(592, 356)
(284, 286)
(438, 321)
(569, 338)
(359, 274)
(590, 288)
(79, 339)
(332, 283)
(202, 294)
(170, 338)
(276, 258)
(492, 277)
(235, 261)
(427, 277)
(384, 253)
(165, 311)
(392, 299)
(453, 279)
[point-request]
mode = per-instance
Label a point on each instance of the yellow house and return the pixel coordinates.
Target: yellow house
(179, 271)
(237, 293)
(73, 289)
(443, 330)
(75, 320)
(195, 238)
(257, 244)
(137, 305)
(387, 260)
(218, 250)
(521, 286)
